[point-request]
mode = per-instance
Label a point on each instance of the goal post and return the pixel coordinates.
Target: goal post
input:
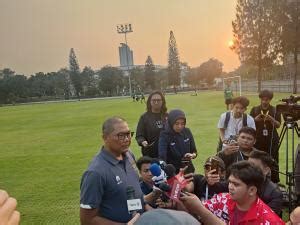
(235, 83)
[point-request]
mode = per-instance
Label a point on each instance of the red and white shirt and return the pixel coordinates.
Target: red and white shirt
(259, 214)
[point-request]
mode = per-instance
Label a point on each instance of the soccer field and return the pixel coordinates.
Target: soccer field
(45, 148)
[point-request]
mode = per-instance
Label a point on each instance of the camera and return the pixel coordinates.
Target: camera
(231, 140)
(289, 109)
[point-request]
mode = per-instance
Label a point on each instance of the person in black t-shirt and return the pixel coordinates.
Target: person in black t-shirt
(212, 182)
(151, 123)
(267, 120)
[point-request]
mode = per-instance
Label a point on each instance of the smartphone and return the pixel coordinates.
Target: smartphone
(214, 165)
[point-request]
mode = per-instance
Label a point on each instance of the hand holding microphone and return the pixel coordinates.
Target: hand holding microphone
(159, 176)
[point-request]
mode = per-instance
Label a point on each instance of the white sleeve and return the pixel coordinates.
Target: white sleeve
(222, 120)
(250, 122)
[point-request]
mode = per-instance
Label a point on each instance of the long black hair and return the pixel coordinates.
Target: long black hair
(163, 109)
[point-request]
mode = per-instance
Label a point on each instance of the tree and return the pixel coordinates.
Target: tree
(192, 77)
(210, 69)
(38, 85)
(75, 73)
(162, 78)
(89, 82)
(63, 82)
(111, 81)
(257, 33)
(173, 63)
(137, 79)
(6, 72)
(291, 34)
(150, 73)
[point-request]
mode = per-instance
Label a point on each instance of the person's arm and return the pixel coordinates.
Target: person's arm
(221, 127)
(193, 204)
(229, 149)
(91, 217)
(251, 122)
(273, 121)
(222, 134)
(140, 132)
(8, 213)
(152, 196)
(163, 146)
(193, 145)
(276, 201)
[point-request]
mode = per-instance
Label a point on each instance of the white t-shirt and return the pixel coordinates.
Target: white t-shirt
(234, 124)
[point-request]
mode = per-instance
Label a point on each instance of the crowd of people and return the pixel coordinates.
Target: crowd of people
(238, 184)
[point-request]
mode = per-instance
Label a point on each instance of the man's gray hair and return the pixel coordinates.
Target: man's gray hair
(108, 125)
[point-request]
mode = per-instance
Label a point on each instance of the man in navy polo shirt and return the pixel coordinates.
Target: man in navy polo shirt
(104, 185)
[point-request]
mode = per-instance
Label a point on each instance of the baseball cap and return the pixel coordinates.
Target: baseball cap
(220, 161)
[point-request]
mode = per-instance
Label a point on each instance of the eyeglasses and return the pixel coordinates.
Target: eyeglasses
(122, 136)
(156, 100)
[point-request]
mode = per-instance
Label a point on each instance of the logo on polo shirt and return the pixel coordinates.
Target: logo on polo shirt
(118, 179)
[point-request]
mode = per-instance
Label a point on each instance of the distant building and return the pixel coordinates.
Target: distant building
(126, 56)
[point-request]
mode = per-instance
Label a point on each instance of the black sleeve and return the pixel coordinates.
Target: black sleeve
(276, 201)
(228, 159)
(140, 131)
(277, 115)
(193, 145)
(252, 112)
(163, 144)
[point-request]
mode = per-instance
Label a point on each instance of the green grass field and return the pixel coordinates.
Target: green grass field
(45, 148)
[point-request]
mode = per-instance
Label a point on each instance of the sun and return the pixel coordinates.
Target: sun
(231, 44)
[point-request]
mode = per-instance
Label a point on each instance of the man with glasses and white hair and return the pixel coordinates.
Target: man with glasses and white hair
(109, 177)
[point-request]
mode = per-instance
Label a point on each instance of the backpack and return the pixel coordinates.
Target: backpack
(227, 118)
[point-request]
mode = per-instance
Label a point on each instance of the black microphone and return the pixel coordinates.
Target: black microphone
(133, 204)
(170, 171)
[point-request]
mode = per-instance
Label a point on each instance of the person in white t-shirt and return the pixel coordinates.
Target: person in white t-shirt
(232, 121)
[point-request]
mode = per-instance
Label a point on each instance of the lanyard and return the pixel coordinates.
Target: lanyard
(241, 155)
(265, 114)
(206, 192)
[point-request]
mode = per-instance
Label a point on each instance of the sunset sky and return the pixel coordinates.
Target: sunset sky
(36, 35)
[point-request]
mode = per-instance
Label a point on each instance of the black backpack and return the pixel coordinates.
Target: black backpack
(227, 118)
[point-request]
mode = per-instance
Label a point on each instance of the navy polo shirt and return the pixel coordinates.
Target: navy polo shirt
(103, 186)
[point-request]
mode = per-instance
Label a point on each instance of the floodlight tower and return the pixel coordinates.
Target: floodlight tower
(124, 29)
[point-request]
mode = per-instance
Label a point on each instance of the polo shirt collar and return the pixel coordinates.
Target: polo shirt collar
(110, 157)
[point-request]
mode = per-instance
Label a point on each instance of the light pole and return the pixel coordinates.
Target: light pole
(124, 29)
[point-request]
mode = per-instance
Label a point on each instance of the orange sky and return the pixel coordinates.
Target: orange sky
(36, 35)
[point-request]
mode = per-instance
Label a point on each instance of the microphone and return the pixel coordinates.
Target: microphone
(133, 204)
(170, 171)
(159, 176)
(175, 182)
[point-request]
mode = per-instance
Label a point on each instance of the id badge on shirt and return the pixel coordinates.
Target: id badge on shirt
(134, 205)
(265, 132)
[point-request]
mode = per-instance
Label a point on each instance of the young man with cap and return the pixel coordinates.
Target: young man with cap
(176, 143)
(213, 182)
(267, 120)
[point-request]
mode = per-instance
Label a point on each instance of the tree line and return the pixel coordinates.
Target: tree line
(266, 34)
(72, 82)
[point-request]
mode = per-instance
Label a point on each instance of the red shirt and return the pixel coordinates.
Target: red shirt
(259, 213)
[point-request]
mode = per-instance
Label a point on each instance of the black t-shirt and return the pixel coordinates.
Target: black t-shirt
(200, 185)
(148, 129)
(268, 138)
